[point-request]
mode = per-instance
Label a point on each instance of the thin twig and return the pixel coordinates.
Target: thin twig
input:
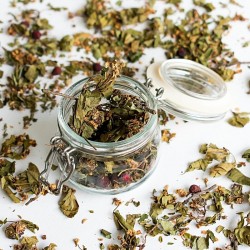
(244, 62)
(199, 193)
(46, 91)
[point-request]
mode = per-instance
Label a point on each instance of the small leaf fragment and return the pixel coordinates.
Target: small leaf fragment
(68, 203)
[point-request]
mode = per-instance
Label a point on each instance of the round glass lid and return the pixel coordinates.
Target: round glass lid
(189, 90)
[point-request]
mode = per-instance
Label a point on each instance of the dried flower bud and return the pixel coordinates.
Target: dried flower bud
(126, 178)
(15, 230)
(194, 189)
(36, 34)
(97, 67)
(56, 71)
(181, 52)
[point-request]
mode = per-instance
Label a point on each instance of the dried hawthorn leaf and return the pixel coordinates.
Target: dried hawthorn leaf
(30, 225)
(211, 236)
(17, 147)
(68, 203)
(121, 222)
(29, 242)
(106, 234)
(219, 229)
(221, 169)
(6, 167)
(239, 119)
(236, 176)
(200, 164)
(207, 6)
(243, 235)
(195, 242)
(168, 227)
(51, 246)
(214, 153)
(246, 155)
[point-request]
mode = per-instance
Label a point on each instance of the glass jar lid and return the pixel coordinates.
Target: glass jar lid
(189, 90)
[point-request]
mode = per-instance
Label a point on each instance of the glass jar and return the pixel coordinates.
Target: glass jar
(181, 87)
(105, 167)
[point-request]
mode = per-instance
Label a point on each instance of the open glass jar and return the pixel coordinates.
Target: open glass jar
(105, 167)
(181, 87)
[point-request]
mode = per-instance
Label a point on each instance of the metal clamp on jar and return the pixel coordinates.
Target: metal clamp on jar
(181, 87)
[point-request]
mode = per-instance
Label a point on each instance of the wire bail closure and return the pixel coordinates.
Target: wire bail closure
(60, 151)
(158, 91)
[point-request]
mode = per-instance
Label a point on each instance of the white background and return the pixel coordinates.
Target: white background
(174, 156)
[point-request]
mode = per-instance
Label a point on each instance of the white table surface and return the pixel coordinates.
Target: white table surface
(175, 156)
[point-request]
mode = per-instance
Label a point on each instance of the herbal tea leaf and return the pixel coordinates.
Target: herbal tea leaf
(236, 176)
(29, 242)
(17, 147)
(243, 235)
(51, 246)
(239, 119)
(121, 222)
(68, 203)
(246, 155)
(221, 169)
(6, 167)
(106, 233)
(200, 164)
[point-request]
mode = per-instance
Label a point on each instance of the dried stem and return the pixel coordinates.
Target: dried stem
(199, 193)
(46, 91)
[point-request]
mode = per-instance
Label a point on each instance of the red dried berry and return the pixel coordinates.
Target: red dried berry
(97, 67)
(36, 34)
(194, 189)
(181, 52)
(103, 181)
(56, 71)
(25, 23)
(126, 178)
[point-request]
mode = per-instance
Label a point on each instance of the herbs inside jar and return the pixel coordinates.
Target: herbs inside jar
(109, 132)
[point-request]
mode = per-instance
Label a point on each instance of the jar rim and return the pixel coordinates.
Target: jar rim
(79, 141)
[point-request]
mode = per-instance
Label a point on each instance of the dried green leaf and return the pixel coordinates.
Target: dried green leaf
(66, 43)
(200, 164)
(51, 246)
(30, 225)
(239, 119)
(214, 153)
(17, 147)
(236, 176)
(168, 227)
(246, 155)
(221, 169)
(219, 229)
(106, 233)
(120, 222)
(68, 203)
(6, 167)
(243, 235)
(195, 242)
(29, 242)
(9, 192)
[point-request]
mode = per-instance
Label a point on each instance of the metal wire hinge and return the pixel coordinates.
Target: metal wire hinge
(61, 152)
(158, 92)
